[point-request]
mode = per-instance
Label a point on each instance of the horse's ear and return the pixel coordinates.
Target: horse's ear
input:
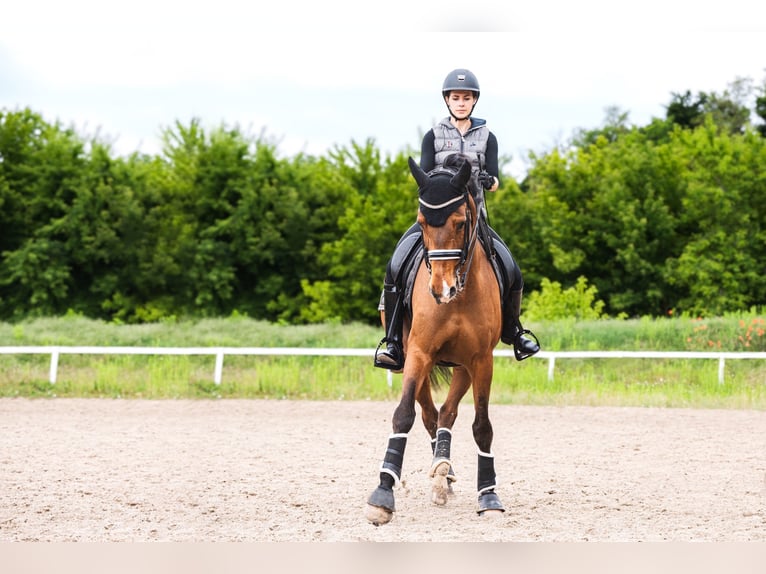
(420, 176)
(462, 176)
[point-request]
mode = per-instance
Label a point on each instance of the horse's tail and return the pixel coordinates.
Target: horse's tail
(439, 375)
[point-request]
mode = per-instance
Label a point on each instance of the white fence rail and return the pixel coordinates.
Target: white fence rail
(219, 352)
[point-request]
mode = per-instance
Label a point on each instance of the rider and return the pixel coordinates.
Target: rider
(457, 133)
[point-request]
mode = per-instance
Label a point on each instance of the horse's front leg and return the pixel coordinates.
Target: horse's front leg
(486, 482)
(381, 503)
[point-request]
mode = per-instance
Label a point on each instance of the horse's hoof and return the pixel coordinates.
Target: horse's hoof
(489, 504)
(442, 466)
(440, 484)
(380, 506)
(377, 515)
(491, 514)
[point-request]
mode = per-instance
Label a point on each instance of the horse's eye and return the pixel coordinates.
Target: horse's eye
(461, 225)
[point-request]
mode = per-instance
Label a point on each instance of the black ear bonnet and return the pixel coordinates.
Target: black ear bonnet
(441, 191)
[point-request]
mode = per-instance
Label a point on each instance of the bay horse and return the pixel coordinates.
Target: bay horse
(455, 321)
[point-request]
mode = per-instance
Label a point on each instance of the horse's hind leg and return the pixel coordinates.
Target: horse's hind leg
(442, 478)
(451, 477)
(429, 414)
(441, 468)
(441, 473)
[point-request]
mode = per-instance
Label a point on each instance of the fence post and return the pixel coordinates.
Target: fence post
(54, 366)
(721, 364)
(551, 366)
(218, 374)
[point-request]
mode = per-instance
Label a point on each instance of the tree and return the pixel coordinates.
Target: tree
(40, 175)
(719, 267)
(380, 206)
(685, 111)
(729, 110)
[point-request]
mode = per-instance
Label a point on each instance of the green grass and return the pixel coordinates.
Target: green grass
(616, 382)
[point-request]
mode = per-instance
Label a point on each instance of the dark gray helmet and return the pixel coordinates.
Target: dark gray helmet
(460, 79)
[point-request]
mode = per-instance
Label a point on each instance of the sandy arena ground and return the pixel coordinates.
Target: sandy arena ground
(263, 471)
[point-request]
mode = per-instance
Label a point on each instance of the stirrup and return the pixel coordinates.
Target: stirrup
(397, 365)
(521, 355)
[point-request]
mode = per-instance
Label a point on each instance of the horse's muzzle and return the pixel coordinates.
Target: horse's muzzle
(447, 294)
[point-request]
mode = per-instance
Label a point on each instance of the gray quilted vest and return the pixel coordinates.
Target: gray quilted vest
(447, 140)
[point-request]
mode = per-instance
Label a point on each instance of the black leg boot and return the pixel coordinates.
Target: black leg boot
(513, 333)
(392, 357)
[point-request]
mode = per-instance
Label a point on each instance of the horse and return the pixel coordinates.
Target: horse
(455, 322)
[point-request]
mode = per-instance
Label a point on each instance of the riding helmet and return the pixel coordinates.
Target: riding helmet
(461, 79)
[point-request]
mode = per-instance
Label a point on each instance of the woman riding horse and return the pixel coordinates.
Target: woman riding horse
(458, 133)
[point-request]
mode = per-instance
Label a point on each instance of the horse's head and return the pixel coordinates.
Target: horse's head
(447, 217)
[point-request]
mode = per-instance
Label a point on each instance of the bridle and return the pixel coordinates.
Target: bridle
(464, 255)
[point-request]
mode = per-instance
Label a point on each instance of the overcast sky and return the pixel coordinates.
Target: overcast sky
(311, 75)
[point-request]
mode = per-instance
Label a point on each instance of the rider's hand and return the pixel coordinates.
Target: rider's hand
(487, 180)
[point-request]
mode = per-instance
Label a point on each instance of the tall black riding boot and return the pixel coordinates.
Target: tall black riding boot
(392, 357)
(513, 333)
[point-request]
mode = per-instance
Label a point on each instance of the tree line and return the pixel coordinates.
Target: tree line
(662, 218)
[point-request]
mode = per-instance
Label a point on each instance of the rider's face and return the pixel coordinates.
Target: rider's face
(461, 103)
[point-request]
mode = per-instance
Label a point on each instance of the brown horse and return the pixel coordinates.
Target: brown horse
(456, 321)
